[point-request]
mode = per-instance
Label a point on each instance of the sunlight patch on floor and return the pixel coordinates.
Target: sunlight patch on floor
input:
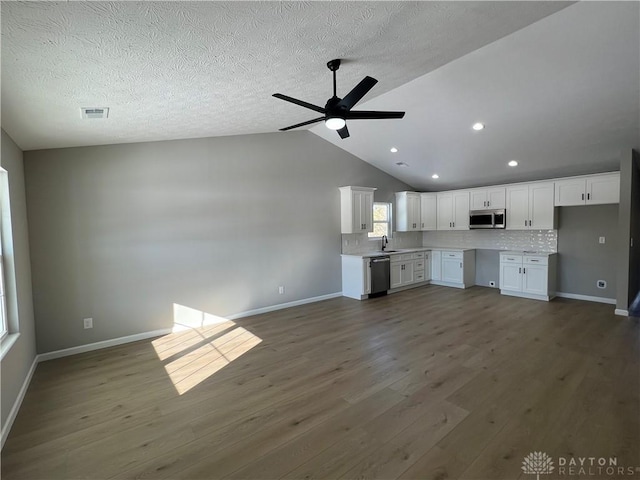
(201, 345)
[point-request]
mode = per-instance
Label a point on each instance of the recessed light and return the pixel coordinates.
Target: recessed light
(394, 150)
(478, 126)
(435, 176)
(513, 163)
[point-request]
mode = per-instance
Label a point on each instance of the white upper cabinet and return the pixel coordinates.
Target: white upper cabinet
(445, 211)
(453, 210)
(530, 206)
(603, 189)
(484, 198)
(588, 190)
(428, 211)
(541, 211)
(356, 209)
(408, 212)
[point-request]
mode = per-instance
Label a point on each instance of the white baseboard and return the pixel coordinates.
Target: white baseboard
(156, 333)
(588, 298)
(6, 428)
(43, 357)
(280, 306)
(624, 313)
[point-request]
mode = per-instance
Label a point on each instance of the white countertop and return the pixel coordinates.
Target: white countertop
(400, 251)
(449, 249)
(526, 252)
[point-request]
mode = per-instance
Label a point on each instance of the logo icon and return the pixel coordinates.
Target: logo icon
(537, 463)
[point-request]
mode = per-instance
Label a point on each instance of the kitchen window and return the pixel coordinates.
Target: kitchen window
(381, 220)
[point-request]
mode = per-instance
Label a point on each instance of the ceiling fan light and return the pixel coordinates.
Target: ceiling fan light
(335, 123)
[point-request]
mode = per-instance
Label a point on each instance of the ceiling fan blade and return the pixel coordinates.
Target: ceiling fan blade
(309, 122)
(372, 115)
(359, 91)
(299, 102)
(343, 132)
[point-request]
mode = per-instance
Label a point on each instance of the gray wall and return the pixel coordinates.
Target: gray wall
(120, 233)
(17, 362)
(582, 260)
(628, 257)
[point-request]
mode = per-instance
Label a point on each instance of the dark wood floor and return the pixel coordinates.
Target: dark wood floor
(431, 383)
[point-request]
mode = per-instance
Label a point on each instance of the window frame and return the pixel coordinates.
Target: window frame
(4, 322)
(371, 235)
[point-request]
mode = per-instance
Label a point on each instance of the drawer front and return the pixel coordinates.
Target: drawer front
(504, 258)
(406, 256)
(536, 260)
(418, 256)
(419, 277)
(418, 265)
(457, 255)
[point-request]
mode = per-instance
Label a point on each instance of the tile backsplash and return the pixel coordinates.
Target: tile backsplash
(361, 243)
(537, 240)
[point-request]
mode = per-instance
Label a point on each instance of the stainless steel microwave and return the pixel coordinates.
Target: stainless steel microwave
(487, 219)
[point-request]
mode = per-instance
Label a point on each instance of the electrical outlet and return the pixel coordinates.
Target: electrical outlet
(601, 240)
(601, 284)
(492, 283)
(88, 323)
(281, 290)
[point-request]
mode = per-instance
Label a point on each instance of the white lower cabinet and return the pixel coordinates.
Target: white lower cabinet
(356, 277)
(402, 273)
(529, 276)
(408, 269)
(453, 268)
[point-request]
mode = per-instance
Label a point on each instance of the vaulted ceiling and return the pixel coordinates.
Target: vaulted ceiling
(551, 80)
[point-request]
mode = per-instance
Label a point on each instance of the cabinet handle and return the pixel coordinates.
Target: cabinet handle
(583, 196)
(460, 264)
(588, 196)
(519, 269)
(525, 223)
(454, 224)
(533, 260)
(524, 270)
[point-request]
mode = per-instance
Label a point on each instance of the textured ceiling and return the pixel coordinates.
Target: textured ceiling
(171, 70)
(561, 96)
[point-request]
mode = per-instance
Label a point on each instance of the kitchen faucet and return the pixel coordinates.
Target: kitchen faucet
(384, 242)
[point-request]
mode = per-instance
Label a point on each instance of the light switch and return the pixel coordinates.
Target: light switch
(602, 240)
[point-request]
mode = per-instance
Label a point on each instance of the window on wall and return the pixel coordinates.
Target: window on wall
(3, 302)
(381, 220)
(3, 215)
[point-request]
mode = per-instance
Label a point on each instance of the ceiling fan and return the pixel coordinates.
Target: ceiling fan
(338, 110)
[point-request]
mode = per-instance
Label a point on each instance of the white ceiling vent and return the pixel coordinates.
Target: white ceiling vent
(95, 112)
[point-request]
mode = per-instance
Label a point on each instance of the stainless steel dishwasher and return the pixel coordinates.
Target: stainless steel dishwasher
(380, 275)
